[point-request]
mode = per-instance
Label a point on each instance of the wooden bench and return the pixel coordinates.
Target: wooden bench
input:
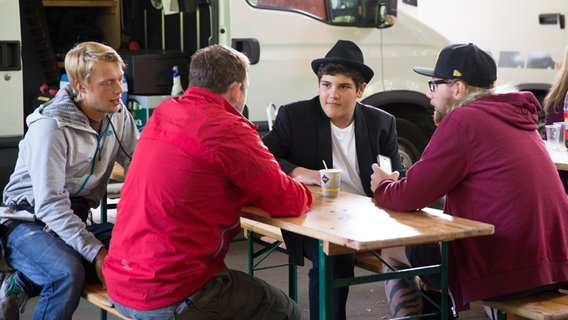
(95, 294)
(548, 305)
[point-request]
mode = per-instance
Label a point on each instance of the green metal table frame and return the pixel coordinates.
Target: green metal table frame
(327, 283)
(260, 255)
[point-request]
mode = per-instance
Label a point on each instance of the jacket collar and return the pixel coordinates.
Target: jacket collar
(214, 98)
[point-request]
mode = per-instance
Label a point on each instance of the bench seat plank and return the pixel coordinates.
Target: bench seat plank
(549, 305)
(95, 294)
(367, 260)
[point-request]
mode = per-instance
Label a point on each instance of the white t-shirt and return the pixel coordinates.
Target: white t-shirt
(344, 155)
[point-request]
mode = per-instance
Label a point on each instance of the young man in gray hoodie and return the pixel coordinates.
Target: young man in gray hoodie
(63, 167)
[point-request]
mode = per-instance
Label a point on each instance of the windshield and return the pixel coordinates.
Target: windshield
(360, 13)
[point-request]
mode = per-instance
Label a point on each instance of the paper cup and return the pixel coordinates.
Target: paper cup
(330, 182)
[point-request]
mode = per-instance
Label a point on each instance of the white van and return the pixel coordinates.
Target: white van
(281, 38)
(527, 39)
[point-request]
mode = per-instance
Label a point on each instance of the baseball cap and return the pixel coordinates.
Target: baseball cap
(465, 62)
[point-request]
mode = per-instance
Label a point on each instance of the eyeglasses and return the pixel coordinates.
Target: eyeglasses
(433, 83)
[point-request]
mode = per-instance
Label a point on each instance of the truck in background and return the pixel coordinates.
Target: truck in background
(282, 37)
(527, 39)
(11, 89)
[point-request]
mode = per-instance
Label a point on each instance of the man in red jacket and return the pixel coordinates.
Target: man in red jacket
(198, 161)
(488, 158)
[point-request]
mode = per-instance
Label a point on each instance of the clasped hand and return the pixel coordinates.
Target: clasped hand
(307, 176)
(380, 175)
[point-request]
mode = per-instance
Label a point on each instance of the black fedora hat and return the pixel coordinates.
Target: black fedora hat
(347, 53)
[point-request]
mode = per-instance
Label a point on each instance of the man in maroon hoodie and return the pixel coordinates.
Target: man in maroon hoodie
(487, 157)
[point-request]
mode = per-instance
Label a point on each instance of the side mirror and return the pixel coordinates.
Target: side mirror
(385, 13)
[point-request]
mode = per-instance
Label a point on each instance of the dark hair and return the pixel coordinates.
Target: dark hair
(335, 69)
(216, 67)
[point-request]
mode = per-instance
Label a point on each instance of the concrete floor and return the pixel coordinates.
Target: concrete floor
(366, 301)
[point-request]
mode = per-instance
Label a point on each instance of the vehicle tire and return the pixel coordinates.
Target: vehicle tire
(411, 142)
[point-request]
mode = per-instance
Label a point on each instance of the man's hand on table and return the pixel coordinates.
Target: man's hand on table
(307, 176)
(380, 175)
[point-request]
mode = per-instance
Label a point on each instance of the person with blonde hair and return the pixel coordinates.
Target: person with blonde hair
(64, 164)
(554, 101)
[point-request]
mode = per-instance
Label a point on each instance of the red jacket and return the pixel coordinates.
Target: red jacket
(492, 164)
(198, 161)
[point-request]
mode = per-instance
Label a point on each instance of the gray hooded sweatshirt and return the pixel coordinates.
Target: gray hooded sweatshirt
(60, 157)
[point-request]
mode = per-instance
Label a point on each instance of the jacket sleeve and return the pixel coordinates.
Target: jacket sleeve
(279, 140)
(443, 165)
(46, 162)
(249, 165)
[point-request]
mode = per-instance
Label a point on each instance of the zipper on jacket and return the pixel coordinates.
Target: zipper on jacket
(97, 155)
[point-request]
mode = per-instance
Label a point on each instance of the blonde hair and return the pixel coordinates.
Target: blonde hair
(474, 94)
(80, 61)
(559, 87)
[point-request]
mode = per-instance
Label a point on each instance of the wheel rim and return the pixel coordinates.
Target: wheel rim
(408, 153)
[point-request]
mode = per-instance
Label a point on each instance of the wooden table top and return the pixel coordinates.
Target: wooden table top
(355, 222)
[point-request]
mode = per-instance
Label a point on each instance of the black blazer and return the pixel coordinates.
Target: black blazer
(301, 136)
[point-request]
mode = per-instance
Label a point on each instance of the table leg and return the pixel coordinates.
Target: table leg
(250, 249)
(325, 284)
(292, 281)
(444, 274)
(104, 207)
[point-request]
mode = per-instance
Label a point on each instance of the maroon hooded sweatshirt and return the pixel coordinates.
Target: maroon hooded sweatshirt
(490, 161)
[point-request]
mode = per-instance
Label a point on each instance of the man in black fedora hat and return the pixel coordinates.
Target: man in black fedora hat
(347, 135)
